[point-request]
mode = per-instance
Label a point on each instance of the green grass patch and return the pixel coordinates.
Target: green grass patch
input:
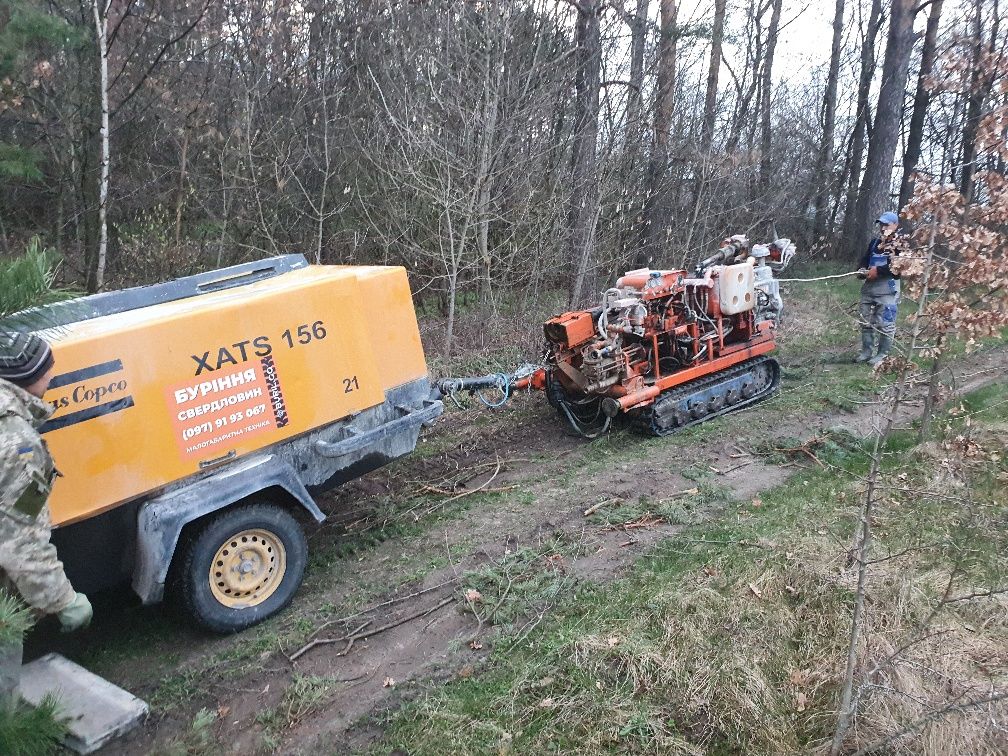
(731, 637)
(686, 508)
(196, 740)
(304, 695)
(989, 403)
(523, 583)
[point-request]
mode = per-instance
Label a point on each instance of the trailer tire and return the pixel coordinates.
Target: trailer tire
(239, 567)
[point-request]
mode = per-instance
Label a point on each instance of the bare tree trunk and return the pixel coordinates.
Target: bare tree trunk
(826, 147)
(492, 73)
(980, 82)
(710, 99)
(638, 39)
(631, 179)
(96, 275)
(922, 98)
(705, 159)
(585, 192)
(656, 204)
(767, 97)
(860, 128)
(874, 196)
(180, 189)
(741, 115)
(326, 176)
(927, 414)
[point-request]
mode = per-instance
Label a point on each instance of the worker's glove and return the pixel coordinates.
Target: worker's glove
(77, 616)
(862, 273)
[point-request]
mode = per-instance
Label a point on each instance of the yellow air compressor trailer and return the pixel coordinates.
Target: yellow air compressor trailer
(195, 419)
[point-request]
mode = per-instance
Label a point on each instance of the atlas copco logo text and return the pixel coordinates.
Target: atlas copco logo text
(91, 394)
(87, 393)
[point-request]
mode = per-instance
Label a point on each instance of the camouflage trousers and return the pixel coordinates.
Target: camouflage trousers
(879, 305)
(29, 566)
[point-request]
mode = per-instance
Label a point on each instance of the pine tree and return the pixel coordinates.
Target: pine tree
(28, 281)
(24, 30)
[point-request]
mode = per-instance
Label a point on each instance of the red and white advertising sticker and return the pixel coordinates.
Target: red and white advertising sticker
(216, 413)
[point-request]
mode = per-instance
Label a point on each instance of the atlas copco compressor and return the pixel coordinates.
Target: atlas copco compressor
(666, 349)
(195, 420)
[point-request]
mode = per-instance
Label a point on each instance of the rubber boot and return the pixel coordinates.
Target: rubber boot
(884, 345)
(867, 345)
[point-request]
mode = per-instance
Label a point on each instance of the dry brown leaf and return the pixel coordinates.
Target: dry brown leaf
(757, 502)
(475, 644)
(756, 591)
(223, 711)
(473, 596)
(800, 701)
(555, 562)
(388, 682)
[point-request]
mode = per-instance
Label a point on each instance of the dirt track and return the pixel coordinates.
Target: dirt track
(545, 479)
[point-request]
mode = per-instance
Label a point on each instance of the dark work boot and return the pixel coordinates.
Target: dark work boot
(884, 346)
(867, 345)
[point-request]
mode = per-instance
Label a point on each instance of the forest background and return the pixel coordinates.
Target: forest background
(500, 151)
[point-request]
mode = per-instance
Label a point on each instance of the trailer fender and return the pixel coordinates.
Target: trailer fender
(161, 519)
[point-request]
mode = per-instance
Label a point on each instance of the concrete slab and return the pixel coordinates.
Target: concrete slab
(97, 710)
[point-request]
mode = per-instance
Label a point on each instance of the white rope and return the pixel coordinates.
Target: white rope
(820, 278)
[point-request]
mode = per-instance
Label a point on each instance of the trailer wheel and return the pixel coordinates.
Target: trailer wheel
(242, 566)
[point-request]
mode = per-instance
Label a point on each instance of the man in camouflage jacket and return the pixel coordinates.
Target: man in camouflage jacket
(880, 292)
(28, 561)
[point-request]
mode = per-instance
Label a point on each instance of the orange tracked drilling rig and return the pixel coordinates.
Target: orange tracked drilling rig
(665, 348)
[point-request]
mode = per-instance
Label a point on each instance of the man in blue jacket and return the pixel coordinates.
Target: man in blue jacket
(880, 292)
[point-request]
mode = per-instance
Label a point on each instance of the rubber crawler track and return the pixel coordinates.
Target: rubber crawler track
(658, 419)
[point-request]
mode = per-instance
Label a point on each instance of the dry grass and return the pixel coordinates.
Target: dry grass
(732, 638)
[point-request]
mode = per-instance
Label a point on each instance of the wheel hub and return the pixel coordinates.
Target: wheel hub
(247, 568)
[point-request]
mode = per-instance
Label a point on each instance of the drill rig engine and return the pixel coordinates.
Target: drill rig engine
(670, 348)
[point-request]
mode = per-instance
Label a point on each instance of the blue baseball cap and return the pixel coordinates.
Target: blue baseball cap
(888, 217)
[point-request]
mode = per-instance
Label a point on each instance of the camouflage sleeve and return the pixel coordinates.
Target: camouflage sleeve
(29, 561)
(27, 558)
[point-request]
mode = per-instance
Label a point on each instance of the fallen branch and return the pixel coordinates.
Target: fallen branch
(936, 714)
(443, 492)
(803, 449)
(357, 634)
(325, 625)
(981, 594)
(471, 491)
(738, 467)
(644, 521)
(596, 507)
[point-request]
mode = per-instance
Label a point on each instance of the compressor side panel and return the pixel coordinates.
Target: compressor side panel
(152, 396)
